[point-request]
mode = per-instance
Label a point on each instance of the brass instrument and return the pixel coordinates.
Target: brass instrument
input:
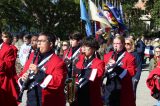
(70, 87)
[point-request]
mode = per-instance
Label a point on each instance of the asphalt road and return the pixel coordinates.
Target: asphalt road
(143, 93)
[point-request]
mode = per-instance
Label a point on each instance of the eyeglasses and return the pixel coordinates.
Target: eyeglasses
(127, 43)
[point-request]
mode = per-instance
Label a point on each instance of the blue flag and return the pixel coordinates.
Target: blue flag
(85, 17)
(117, 15)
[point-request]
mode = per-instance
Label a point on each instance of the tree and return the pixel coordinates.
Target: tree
(153, 7)
(58, 16)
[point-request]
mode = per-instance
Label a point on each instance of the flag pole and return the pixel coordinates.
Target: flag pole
(81, 27)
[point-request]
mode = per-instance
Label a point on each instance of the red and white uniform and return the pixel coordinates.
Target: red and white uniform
(15, 50)
(94, 85)
(128, 64)
(53, 91)
(7, 75)
(153, 79)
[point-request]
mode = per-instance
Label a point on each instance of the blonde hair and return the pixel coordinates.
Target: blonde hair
(121, 38)
(132, 43)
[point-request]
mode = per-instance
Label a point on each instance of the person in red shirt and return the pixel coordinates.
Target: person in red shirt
(89, 71)
(153, 82)
(7, 74)
(119, 70)
(73, 51)
(47, 78)
(8, 38)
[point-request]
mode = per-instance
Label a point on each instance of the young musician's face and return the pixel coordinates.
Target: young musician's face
(88, 51)
(74, 42)
(5, 38)
(43, 44)
(34, 40)
(83, 49)
(117, 45)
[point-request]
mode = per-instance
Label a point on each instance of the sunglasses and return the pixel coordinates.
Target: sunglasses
(127, 43)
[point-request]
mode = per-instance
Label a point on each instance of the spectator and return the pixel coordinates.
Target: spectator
(154, 60)
(65, 46)
(130, 47)
(24, 50)
(140, 47)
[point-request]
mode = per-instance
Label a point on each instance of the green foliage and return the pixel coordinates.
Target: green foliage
(132, 16)
(153, 6)
(61, 17)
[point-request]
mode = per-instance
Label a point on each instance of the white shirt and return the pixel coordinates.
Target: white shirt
(23, 53)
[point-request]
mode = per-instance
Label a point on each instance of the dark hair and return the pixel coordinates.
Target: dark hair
(76, 35)
(51, 37)
(21, 35)
(8, 34)
(36, 35)
(27, 36)
(91, 42)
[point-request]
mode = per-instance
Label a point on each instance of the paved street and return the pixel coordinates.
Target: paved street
(143, 93)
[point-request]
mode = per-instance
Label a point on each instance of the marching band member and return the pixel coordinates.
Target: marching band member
(73, 51)
(120, 68)
(90, 70)
(8, 38)
(34, 40)
(153, 82)
(8, 91)
(49, 72)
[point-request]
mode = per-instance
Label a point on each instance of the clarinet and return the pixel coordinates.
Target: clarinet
(107, 67)
(29, 79)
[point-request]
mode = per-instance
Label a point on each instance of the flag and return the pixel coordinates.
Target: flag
(109, 15)
(121, 12)
(85, 17)
(115, 12)
(97, 15)
(117, 16)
